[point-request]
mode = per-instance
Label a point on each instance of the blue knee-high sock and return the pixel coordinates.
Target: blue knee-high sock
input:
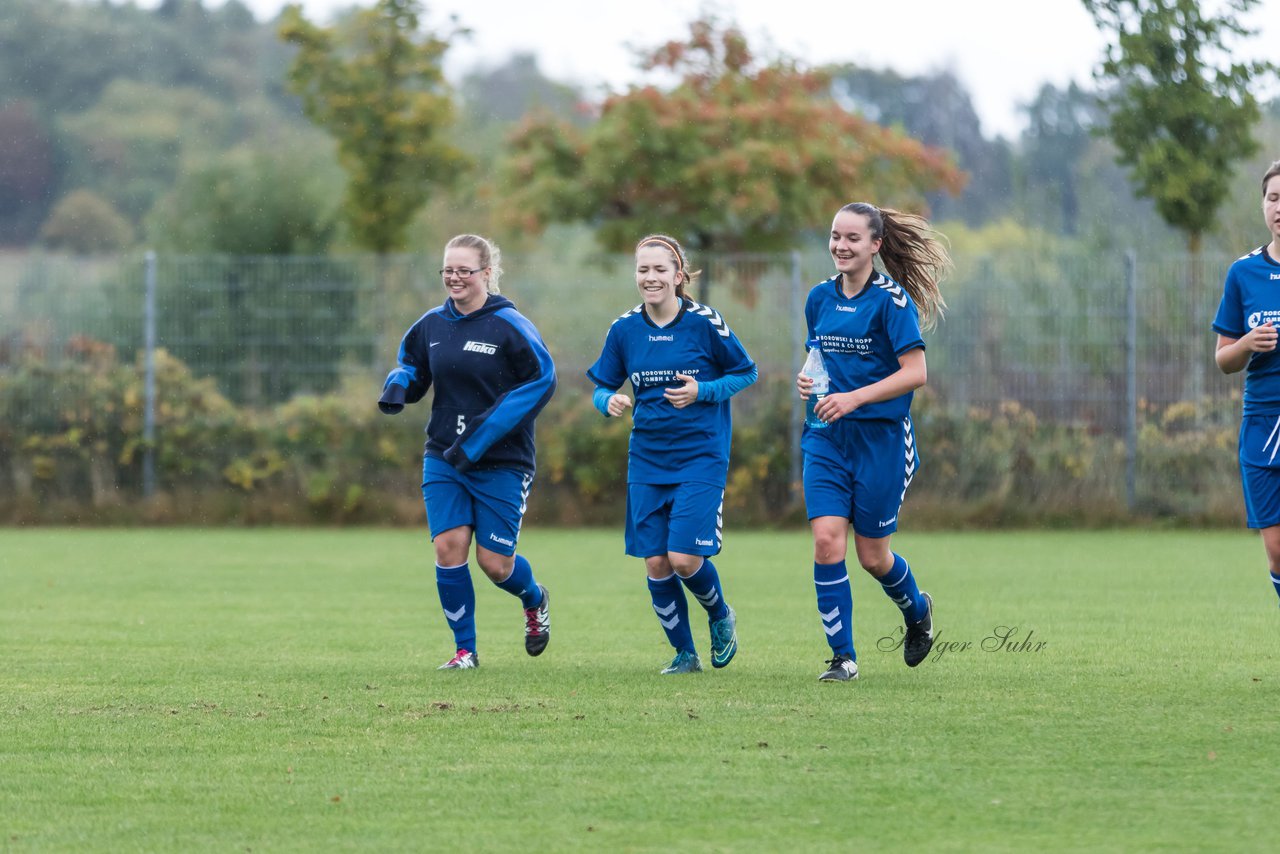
(1275, 582)
(835, 606)
(672, 610)
(458, 598)
(704, 584)
(900, 586)
(522, 584)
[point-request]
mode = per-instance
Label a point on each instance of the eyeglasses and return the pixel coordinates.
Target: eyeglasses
(460, 272)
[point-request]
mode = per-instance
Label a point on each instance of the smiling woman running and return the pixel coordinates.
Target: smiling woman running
(492, 375)
(684, 363)
(860, 461)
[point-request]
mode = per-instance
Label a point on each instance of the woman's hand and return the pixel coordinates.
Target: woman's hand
(804, 382)
(619, 404)
(1233, 354)
(685, 394)
(833, 407)
(1261, 339)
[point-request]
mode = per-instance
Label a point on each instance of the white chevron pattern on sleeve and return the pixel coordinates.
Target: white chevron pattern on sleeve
(717, 322)
(895, 290)
(627, 314)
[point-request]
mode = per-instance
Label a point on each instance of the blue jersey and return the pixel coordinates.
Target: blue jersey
(492, 376)
(1250, 298)
(863, 337)
(669, 445)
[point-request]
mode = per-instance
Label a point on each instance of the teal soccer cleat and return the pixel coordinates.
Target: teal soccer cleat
(724, 640)
(684, 662)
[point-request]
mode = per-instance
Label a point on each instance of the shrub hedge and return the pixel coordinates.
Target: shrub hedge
(71, 450)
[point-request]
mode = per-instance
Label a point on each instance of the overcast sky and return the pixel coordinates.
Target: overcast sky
(1002, 50)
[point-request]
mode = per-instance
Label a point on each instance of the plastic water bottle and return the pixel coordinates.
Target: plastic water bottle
(816, 370)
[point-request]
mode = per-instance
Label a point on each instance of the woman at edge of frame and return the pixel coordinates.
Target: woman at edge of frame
(1246, 325)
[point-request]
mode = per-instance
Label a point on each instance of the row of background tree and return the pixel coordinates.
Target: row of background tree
(178, 128)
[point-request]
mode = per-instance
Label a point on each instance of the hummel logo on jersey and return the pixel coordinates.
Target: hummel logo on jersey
(662, 337)
(849, 308)
(479, 347)
(887, 522)
(498, 539)
(698, 542)
(1275, 276)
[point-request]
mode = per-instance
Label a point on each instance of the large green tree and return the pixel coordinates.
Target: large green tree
(738, 155)
(1182, 110)
(375, 83)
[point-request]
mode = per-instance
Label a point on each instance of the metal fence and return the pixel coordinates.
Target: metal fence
(1104, 342)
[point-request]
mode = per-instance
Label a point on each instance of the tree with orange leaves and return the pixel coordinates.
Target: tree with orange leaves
(738, 155)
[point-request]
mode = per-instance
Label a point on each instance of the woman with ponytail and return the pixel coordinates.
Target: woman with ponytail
(684, 363)
(860, 461)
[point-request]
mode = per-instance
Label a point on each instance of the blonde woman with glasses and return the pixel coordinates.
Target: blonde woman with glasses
(492, 375)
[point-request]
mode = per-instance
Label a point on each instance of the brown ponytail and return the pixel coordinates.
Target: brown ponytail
(913, 254)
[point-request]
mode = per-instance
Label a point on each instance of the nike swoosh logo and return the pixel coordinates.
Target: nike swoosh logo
(434, 343)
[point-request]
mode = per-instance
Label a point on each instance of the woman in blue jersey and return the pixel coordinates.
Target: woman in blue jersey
(492, 375)
(1246, 325)
(684, 363)
(858, 464)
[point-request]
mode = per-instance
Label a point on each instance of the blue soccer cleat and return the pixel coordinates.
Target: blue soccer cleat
(724, 640)
(684, 662)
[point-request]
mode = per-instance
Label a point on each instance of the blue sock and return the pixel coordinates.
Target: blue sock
(835, 606)
(521, 583)
(458, 598)
(1275, 581)
(704, 584)
(900, 586)
(672, 610)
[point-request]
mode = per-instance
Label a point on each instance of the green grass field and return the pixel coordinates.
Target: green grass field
(275, 690)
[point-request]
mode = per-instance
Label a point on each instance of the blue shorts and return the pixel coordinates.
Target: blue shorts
(491, 501)
(860, 470)
(687, 518)
(1260, 469)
